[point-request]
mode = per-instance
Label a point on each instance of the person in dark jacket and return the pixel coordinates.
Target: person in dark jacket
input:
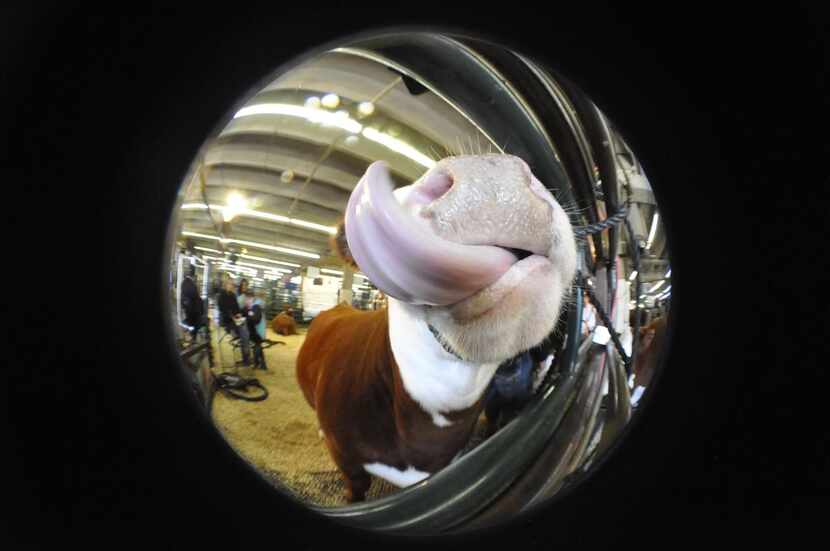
(232, 320)
(509, 391)
(255, 318)
(193, 307)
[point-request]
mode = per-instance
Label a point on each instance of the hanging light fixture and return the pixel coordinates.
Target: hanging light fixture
(330, 101)
(653, 231)
(235, 204)
(366, 108)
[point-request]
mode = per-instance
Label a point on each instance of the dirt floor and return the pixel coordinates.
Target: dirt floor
(278, 436)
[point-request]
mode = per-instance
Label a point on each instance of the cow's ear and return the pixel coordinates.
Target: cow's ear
(340, 245)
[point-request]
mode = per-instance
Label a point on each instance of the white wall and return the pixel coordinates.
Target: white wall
(317, 298)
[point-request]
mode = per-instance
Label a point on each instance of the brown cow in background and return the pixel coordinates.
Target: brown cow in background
(284, 323)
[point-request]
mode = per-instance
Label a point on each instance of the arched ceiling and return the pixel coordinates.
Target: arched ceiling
(252, 153)
(276, 132)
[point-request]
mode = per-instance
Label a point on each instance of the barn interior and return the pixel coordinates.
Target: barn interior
(261, 202)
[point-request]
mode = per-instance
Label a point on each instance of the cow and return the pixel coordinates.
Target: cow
(476, 259)
(284, 323)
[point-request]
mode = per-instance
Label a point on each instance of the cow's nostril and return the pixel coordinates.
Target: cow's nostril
(436, 184)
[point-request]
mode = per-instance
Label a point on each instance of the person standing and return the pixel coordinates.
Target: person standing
(193, 306)
(240, 292)
(255, 319)
(589, 315)
(232, 320)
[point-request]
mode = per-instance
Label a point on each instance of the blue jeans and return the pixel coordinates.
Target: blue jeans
(241, 331)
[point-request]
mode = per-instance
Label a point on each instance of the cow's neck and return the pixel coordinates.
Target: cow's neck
(438, 381)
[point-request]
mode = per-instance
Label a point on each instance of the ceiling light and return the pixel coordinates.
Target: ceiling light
(261, 259)
(265, 216)
(235, 204)
(398, 146)
(285, 250)
(328, 271)
(331, 101)
(308, 113)
(632, 276)
(351, 140)
(287, 176)
(657, 286)
(208, 250)
(312, 102)
(366, 108)
(313, 226)
(345, 123)
(239, 270)
(263, 267)
(653, 230)
(236, 200)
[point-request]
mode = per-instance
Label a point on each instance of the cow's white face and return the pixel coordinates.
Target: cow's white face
(477, 247)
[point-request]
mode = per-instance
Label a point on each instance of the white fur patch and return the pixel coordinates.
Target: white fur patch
(395, 476)
(440, 420)
(434, 378)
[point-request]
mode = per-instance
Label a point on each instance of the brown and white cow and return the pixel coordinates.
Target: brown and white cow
(476, 258)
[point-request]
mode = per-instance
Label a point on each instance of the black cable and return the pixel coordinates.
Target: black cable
(584, 231)
(228, 384)
(607, 322)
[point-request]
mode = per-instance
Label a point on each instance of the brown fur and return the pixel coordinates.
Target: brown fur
(283, 324)
(652, 339)
(348, 374)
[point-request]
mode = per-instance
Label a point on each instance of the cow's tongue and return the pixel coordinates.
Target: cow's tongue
(404, 258)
